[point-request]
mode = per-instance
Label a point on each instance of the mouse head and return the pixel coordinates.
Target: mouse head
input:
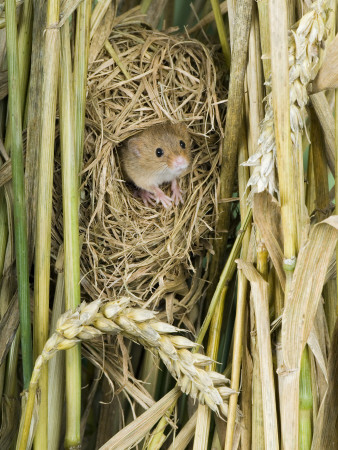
(164, 148)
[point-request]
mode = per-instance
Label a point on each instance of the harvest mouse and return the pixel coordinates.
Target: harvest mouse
(157, 155)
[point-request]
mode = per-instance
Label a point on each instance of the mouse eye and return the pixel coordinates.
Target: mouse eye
(182, 144)
(159, 152)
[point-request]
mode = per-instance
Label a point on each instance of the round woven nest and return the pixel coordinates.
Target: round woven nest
(151, 253)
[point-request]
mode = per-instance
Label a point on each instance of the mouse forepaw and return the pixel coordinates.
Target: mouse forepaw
(146, 196)
(176, 195)
(160, 196)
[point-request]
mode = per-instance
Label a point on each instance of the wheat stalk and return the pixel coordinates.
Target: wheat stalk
(97, 318)
(304, 45)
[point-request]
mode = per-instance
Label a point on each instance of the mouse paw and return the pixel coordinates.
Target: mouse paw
(176, 195)
(146, 196)
(160, 196)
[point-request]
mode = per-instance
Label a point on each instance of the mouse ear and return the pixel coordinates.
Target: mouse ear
(133, 146)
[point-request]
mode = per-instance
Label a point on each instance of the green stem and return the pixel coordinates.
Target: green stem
(80, 74)
(3, 230)
(24, 47)
(71, 236)
(145, 6)
(305, 403)
(44, 207)
(24, 43)
(158, 437)
(225, 277)
(20, 224)
(27, 413)
(221, 31)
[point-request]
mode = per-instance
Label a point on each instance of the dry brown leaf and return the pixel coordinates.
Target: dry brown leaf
(318, 342)
(101, 35)
(325, 117)
(259, 290)
(267, 217)
(305, 293)
(136, 430)
(112, 369)
(8, 327)
(325, 428)
(327, 77)
(313, 343)
(66, 9)
(183, 438)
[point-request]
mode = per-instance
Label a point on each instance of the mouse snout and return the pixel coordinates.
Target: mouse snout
(180, 163)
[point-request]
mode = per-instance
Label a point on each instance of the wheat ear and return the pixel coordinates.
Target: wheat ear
(304, 45)
(97, 318)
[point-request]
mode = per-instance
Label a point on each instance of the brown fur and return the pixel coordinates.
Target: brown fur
(139, 161)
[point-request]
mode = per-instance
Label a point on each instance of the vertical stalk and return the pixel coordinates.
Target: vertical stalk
(221, 31)
(24, 43)
(3, 245)
(56, 366)
(202, 427)
(69, 159)
(44, 207)
(80, 74)
(254, 96)
(34, 119)
(262, 267)
(257, 424)
(145, 5)
(336, 157)
(232, 128)
(24, 47)
(3, 230)
(20, 225)
(281, 109)
(291, 11)
(242, 285)
(305, 403)
(225, 277)
(71, 166)
(237, 357)
(310, 200)
(336, 178)
(8, 282)
(204, 412)
(264, 31)
(288, 379)
(214, 330)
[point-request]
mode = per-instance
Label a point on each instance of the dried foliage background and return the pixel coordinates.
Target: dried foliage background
(149, 252)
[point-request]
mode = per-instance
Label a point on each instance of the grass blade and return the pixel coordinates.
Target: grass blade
(20, 225)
